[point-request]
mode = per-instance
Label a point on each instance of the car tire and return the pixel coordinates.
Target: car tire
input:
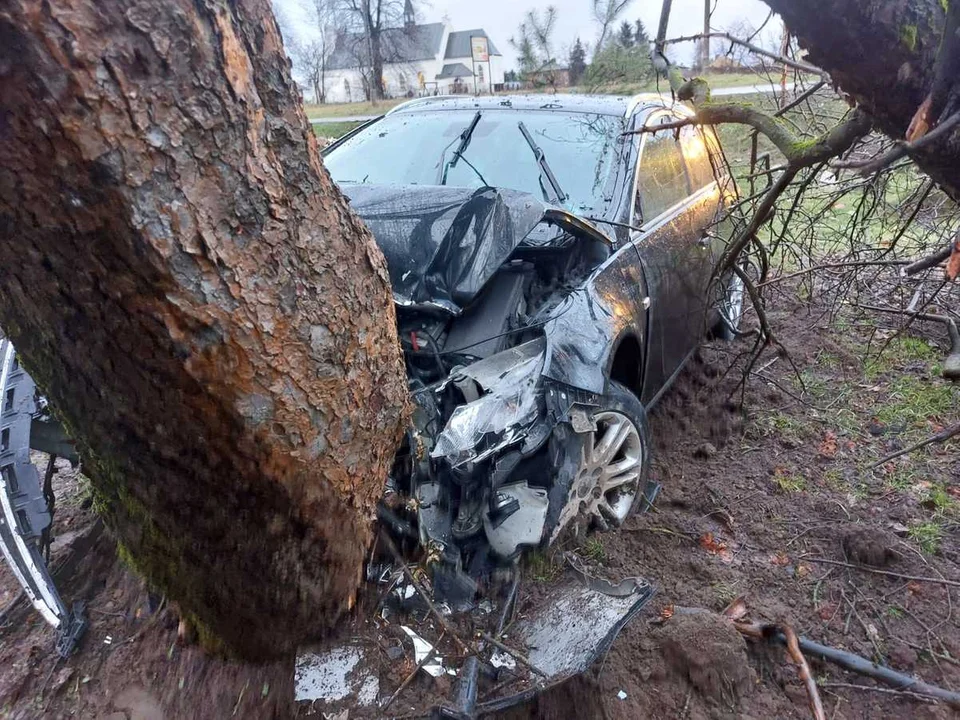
(617, 454)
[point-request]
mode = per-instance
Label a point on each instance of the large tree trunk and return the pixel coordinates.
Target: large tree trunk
(195, 297)
(881, 53)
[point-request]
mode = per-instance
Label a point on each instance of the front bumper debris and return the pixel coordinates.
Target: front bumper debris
(560, 634)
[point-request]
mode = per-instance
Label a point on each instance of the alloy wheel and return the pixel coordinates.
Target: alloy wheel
(609, 476)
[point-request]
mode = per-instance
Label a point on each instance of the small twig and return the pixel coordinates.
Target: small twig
(409, 678)
(889, 691)
(523, 660)
(830, 266)
(901, 576)
(240, 698)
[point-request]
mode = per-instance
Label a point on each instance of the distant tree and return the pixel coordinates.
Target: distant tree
(511, 76)
(640, 37)
(619, 65)
(625, 36)
(534, 45)
(366, 21)
(577, 64)
(605, 14)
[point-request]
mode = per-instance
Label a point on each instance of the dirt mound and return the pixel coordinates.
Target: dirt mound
(705, 649)
(869, 546)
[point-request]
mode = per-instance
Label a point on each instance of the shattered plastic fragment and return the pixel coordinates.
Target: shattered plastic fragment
(420, 649)
(500, 659)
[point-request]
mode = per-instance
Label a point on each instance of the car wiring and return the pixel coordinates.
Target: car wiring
(512, 331)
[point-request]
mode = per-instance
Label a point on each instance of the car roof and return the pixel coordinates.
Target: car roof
(616, 105)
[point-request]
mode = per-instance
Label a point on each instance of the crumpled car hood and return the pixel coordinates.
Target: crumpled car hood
(443, 244)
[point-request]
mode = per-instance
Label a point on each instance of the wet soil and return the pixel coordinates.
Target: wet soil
(760, 483)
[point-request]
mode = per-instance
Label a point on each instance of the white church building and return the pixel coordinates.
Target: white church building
(418, 60)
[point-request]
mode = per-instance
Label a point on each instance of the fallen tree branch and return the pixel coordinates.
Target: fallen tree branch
(851, 662)
(876, 571)
(786, 635)
(522, 659)
(928, 262)
(793, 647)
(899, 150)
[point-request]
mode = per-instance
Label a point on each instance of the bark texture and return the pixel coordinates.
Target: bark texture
(882, 53)
(196, 298)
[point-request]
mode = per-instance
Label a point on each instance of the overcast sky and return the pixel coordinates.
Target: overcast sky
(500, 18)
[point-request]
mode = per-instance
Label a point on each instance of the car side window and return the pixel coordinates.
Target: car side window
(695, 143)
(662, 180)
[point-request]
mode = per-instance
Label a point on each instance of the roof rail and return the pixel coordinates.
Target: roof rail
(415, 101)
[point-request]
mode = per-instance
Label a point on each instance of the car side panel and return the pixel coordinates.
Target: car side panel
(587, 325)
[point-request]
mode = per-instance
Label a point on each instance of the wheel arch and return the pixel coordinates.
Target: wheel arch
(626, 364)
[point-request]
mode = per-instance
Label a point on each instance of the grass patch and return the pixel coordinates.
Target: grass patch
(927, 535)
(542, 567)
(786, 427)
(334, 130)
(789, 482)
(902, 350)
(911, 402)
(350, 109)
(592, 549)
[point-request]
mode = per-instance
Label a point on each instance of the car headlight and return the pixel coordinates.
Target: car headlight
(502, 415)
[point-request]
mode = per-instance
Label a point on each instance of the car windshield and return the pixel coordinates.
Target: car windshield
(410, 148)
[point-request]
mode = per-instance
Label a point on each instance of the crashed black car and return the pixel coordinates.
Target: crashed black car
(551, 273)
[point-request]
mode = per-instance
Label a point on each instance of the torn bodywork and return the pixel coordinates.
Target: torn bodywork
(508, 313)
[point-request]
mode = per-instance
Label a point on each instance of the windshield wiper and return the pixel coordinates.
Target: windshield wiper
(464, 141)
(545, 172)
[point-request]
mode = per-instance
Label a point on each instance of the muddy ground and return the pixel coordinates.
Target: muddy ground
(759, 487)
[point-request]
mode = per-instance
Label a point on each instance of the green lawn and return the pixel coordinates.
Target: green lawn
(334, 130)
(349, 109)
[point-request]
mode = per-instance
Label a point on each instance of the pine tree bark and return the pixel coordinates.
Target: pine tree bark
(882, 53)
(199, 303)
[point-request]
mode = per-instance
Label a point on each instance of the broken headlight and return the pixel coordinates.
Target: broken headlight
(511, 402)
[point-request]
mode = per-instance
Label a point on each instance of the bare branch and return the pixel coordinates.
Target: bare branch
(756, 49)
(900, 149)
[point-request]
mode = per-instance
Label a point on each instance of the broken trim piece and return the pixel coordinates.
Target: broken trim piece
(21, 498)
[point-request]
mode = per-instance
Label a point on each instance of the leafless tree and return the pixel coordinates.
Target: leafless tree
(366, 22)
(606, 13)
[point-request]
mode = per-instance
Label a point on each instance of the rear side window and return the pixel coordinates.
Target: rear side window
(695, 142)
(661, 181)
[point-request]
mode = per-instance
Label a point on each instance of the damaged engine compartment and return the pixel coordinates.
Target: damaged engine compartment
(480, 279)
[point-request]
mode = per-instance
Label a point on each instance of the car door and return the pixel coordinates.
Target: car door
(704, 210)
(671, 261)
